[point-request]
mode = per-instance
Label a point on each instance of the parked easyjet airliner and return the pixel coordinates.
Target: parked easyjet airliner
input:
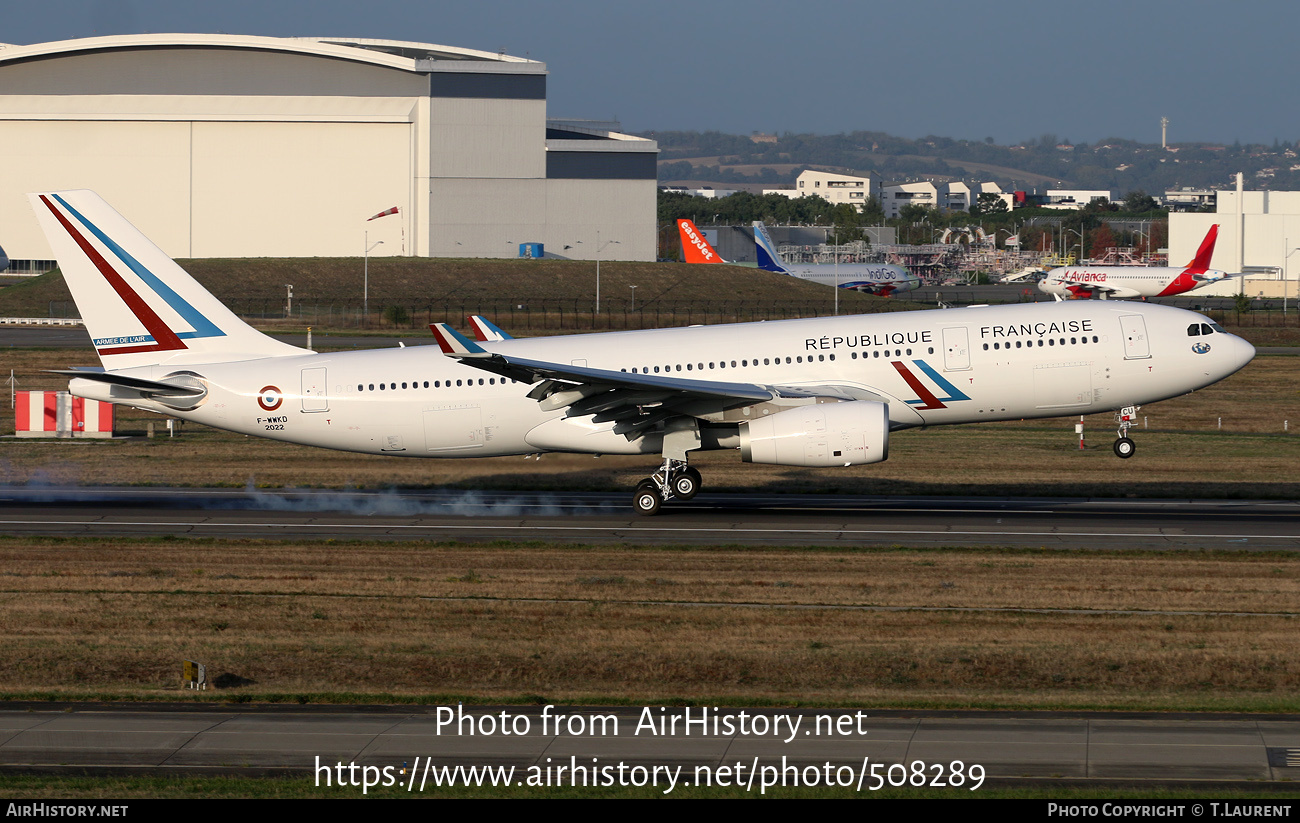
(1135, 281)
(818, 392)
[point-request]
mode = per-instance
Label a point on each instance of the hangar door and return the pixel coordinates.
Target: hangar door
(300, 189)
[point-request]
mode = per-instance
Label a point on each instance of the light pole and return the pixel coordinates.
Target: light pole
(633, 288)
(837, 271)
(1080, 234)
(365, 287)
(599, 249)
(1286, 278)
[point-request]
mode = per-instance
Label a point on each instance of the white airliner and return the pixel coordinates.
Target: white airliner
(818, 392)
(875, 278)
(1135, 281)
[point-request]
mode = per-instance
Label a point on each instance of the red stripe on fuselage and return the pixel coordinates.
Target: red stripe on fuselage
(931, 402)
(164, 338)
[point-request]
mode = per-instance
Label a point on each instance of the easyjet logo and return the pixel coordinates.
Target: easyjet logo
(696, 241)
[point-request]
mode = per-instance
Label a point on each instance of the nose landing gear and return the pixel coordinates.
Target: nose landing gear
(1125, 447)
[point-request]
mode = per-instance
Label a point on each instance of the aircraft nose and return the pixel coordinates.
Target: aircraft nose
(1240, 352)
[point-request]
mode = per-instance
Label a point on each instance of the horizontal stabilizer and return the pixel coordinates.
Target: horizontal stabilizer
(139, 384)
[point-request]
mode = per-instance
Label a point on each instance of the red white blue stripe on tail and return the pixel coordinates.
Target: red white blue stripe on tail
(138, 305)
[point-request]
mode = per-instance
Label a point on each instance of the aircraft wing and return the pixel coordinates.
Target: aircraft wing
(631, 401)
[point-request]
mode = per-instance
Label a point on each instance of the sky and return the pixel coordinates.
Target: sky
(1007, 69)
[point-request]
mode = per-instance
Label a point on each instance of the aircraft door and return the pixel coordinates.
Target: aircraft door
(956, 349)
(315, 397)
(1134, 329)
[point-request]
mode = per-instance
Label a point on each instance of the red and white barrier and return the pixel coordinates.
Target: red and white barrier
(59, 414)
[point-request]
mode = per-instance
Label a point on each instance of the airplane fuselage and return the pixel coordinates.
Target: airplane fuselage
(876, 279)
(935, 367)
(1123, 281)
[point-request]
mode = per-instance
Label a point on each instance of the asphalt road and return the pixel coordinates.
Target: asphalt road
(746, 519)
(808, 745)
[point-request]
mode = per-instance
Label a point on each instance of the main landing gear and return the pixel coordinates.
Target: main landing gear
(674, 479)
(1124, 447)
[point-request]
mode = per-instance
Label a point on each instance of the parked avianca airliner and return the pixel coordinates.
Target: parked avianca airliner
(817, 392)
(876, 278)
(1135, 281)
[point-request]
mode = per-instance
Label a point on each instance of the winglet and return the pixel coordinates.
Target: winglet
(453, 342)
(1201, 262)
(485, 331)
(695, 248)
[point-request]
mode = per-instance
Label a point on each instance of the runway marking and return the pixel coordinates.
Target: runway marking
(631, 527)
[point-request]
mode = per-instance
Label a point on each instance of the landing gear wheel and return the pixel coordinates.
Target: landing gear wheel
(1124, 448)
(647, 499)
(687, 484)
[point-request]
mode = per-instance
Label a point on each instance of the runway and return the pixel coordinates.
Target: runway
(809, 746)
(732, 519)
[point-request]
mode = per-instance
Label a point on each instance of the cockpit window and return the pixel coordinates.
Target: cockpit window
(1218, 328)
(1194, 330)
(1206, 329)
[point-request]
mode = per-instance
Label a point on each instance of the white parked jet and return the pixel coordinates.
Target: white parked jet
(1135, 281)
(875, 278)
(817, 392)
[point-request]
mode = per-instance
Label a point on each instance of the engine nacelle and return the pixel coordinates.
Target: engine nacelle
(829, 434)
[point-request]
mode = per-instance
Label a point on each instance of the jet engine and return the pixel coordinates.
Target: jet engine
(850, 433)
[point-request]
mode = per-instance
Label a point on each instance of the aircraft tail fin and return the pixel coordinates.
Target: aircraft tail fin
(140, 308)
(695, 247)
(1201, 262)
(485, 331)
(768, 260)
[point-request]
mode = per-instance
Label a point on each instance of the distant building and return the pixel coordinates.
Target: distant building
(1189, 199)
(1076, 198)
(837, 188)
(221, 145)
(707, 191)
(1258, 231)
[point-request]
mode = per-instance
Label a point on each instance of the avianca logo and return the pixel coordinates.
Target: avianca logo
(160, 336)
(696, 241)
(928, 399)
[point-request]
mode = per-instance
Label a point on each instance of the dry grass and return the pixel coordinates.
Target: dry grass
(575, 623)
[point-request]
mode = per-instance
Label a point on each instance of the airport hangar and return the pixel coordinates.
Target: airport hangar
(241, 146)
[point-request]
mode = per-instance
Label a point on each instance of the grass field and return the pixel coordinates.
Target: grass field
(357, 622)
